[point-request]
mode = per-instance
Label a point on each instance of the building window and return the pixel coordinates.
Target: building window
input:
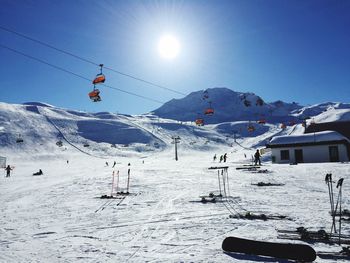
(284, 155)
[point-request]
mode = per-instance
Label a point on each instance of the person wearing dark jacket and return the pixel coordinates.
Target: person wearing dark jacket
(257, 157)
(8, 171)
(38, 173)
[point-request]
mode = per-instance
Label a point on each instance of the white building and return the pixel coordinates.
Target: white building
(326, 146)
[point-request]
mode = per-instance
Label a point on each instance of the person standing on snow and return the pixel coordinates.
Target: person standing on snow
(225, 157)
(214, 158)
(257, 158)
(8, 171)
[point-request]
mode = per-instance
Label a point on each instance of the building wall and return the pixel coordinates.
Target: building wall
(311, 154)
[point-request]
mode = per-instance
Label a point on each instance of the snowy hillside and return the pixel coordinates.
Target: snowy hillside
(36, 126)
(228, 106)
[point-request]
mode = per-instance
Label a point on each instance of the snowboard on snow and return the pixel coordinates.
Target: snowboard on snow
(299, 252)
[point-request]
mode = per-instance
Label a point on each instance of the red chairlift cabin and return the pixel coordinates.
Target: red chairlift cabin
(199, 122)
(251, 128)
(209, 111)
(95, 95)
(100, 78)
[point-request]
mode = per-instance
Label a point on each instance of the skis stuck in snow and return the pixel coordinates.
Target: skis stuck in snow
(320, 236)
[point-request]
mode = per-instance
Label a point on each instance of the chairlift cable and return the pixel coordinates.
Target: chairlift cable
(81, 76)
(78, 75)
(88, 61)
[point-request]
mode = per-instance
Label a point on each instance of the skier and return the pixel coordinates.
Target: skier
(225, 157)
(257, 158)
(114, 164)
(214, 158)
(106, 163)
(221, 158)
(38, 173)
(8, 171)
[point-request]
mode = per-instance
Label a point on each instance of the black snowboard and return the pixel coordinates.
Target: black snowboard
(298, 252)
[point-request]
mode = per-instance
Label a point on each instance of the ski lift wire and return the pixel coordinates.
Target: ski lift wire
(78, 75)
(88, 61)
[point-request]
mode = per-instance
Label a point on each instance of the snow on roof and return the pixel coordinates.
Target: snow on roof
(324, 136)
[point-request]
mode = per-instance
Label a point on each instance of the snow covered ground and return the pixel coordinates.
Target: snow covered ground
(58, 217)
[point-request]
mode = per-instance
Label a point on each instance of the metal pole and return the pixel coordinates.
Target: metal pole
(112, 183)
(176, 158)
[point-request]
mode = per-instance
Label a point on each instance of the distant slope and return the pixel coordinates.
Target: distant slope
(38, 124)
(228, 106)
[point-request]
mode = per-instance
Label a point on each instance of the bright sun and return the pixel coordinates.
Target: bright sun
(168, 47)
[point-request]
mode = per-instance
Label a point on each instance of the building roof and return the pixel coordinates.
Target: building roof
(317, 138)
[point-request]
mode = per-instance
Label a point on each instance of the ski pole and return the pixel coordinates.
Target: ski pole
(228, 186)
(112, 183)
(330, 190)
(117, 181)
(127, 186)
(223, 183)
(219, 182)
(340, 184)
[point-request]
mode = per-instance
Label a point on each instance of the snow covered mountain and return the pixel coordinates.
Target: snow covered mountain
(36, 126)
(228, 106)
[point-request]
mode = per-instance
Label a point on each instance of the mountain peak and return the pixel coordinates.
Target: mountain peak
(228, 105)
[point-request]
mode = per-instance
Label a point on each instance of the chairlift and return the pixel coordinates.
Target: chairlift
(251, 128)
(209, 110)
(19, 139)
(100, 78)
(95, 95)
(205, 95)
(199, 122)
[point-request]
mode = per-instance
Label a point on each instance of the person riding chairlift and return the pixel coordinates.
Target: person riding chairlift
(95, 95)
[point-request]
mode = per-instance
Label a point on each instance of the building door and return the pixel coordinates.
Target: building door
(333, 154)
(298, 153)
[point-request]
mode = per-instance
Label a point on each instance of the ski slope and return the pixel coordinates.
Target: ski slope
(58, 217)
(162, 220)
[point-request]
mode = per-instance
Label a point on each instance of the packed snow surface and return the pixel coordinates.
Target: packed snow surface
(59, 217)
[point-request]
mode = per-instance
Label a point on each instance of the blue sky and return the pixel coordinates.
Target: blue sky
(289, 50)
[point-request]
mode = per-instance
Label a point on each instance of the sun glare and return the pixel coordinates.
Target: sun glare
(168, 47)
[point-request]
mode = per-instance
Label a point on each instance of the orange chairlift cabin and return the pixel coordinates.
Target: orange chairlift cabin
(251, 128)
(210, 110)
(199, 122)
(100, 78)
(95, 95)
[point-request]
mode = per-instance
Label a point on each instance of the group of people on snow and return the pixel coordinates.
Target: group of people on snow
(223, 158)
(257, 159)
